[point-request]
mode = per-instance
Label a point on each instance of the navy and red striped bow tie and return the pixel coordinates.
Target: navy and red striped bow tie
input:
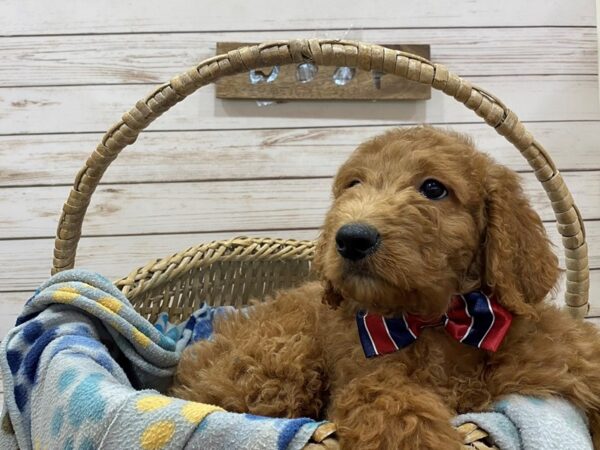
(474, 319)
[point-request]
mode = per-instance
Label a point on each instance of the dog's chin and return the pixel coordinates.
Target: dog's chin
(362, 288)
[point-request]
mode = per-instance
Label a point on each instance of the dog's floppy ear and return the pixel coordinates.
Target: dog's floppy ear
(331, 296)
(520, 266)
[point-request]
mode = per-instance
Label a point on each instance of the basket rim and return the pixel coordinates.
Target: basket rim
(242, 248)
(333, 52)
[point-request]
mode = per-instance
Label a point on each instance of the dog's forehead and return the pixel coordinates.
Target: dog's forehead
(438, 152)
(400, 159)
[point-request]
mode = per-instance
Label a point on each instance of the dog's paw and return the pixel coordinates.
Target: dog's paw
(383, 416)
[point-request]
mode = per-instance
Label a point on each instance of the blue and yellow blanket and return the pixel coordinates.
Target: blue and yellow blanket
(82, 370)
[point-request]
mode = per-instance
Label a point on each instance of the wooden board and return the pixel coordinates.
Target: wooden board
(116, 256)
(113, 256)
(285, 84)
(210, 206)
(327, 19)
(94, 108)
(54, 159)
(593, 320)
(11, 303)
(155, 58)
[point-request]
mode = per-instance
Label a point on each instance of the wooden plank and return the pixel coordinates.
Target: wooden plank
(558, 297)
(116, 256)
(208, 206)
(27, 17)
(113, 256)
(239, 154)
(593, 239)
(594, 320)
(94, 108)
(27, 263)
(281, 83)
(11, 303)
(154, 58)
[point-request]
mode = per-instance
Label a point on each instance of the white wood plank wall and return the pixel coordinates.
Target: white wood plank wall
(209, 169)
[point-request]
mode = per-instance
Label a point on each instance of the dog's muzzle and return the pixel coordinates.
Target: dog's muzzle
(355, 241)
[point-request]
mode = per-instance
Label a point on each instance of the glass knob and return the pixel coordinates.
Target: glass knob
(343, 75)
(258, 76)
(306, 72)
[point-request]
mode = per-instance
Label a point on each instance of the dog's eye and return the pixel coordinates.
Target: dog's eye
(433, 189)
(352, 183)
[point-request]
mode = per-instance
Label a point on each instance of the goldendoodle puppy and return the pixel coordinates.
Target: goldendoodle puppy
(434, 269)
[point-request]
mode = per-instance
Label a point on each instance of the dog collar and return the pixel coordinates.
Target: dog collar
(473, 319)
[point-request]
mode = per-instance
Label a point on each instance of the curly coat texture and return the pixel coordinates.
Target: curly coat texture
(299, 354)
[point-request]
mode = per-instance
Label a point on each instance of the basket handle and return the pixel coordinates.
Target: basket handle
(338, 53)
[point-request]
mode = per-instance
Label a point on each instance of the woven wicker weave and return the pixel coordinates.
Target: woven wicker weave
(230, 272)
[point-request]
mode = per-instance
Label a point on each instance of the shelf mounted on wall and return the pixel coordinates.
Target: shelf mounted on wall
(307, 81)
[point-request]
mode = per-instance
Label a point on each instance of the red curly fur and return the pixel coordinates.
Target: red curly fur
(299, 353)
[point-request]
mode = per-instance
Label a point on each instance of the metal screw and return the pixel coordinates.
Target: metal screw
(377, 78)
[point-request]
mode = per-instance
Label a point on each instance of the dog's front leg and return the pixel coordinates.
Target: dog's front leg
(384, 411)
(267, 362)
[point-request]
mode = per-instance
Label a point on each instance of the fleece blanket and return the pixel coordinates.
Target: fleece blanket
(527, 423)
(82, 370)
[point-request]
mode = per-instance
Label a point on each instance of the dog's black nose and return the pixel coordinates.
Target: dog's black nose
(356, 240)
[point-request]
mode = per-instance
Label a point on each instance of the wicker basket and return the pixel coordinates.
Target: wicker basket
(231, 272)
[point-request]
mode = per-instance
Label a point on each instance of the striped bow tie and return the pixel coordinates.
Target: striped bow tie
(474, 319)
